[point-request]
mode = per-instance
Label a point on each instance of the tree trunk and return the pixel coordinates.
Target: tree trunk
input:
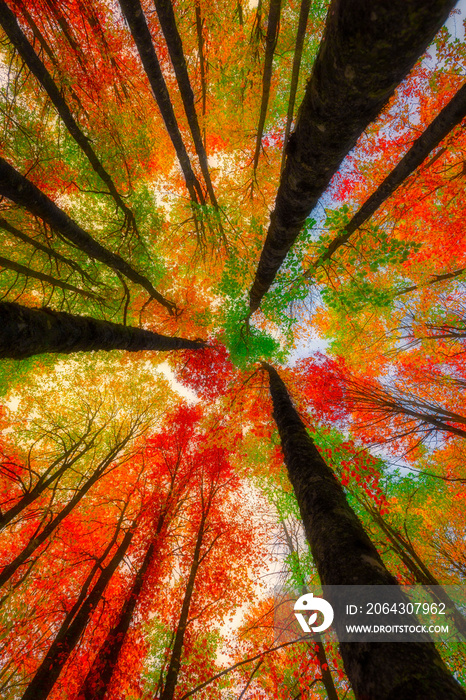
(449, 117)
(100, 674)
(365, 52)
(25, 332)
(298, 52)
(273, 23)
(140, 32)
(175, 659)
(239, 12)
(37, 68)
(202, 61)
(68, 636)
(167, 21)
(21, 191)
(344, 555)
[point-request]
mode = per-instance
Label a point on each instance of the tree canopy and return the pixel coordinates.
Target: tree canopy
(232, 342)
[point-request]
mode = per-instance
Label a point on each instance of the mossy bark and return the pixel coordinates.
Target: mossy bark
(344, 555)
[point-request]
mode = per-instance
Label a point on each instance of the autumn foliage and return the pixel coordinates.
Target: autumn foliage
(149, 533)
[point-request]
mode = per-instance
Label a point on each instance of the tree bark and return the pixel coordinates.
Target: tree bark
(68, 636)
(239, 12)
(273, 23)
(21, 191)
(365, 52)
(298, 52)
(38, 69)
(202, 61)
(25, 332)
(167, 21)
(100, 674)
(175, 658)
(344, 555)
(140, 32)
(451, 115)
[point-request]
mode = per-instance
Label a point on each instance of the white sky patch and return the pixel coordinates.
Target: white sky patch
(180, 389)
(12, 403)
(308, 347)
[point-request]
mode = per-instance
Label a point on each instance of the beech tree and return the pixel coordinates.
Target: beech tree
(27, 332)
(159, 167)
(338, 107)
(343, 552)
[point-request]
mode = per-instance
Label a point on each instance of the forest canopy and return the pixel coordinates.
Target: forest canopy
(232, 342)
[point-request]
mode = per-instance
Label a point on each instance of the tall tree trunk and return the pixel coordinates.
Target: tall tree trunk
(69, 634)
(167, 20)
(451, 115)
(38, 69)
(202, 61)
(298, 52)
(365, 52)
(175, 658)
(344, 555)
(140, 32)
(239, 12)
(273, 24)
(25, 332)
(100, 674)
(21, 191)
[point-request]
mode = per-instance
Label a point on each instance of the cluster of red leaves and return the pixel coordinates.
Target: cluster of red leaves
(321, 381)
(207, 372)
